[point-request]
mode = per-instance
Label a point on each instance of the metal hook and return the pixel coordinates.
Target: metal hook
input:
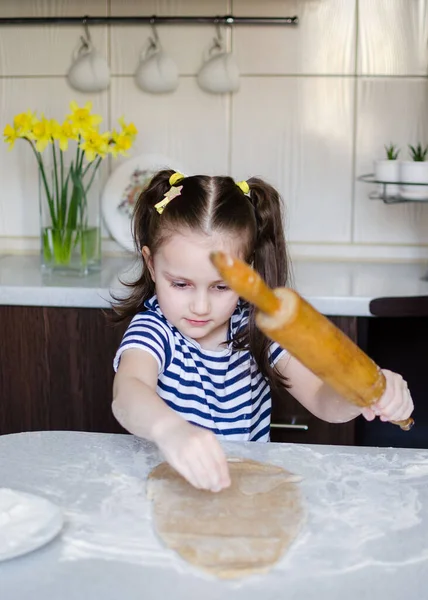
(86, 41)
(219, 35)
(154, 31)
(218, 40)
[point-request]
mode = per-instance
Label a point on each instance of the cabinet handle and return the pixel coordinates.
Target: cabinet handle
(289, 426)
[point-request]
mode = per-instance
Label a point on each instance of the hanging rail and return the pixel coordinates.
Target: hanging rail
(154, 19)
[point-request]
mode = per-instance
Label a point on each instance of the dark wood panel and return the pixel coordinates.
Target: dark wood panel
(56, 369)
(400, 345)
(287, 411)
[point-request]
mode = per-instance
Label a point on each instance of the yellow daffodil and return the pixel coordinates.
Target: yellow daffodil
(95, 144)
(55, 128)
(63, 133)
(10, 135)
(81, 117)
(23, 123)
(42, 133)
(120, 143)
(129, 130)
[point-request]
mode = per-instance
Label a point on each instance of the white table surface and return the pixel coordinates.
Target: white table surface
(333, 287)
(365, 537)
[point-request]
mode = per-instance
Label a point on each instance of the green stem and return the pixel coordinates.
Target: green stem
(64, 192)
(86, 169)
(78, 156)
(45, 183)
(76, 162)
(61, 206)
(97, 165)
(81, 162)
(61, 160)
(57, 198)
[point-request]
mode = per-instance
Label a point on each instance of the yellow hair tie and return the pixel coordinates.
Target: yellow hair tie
(243, 185)
(176, 177)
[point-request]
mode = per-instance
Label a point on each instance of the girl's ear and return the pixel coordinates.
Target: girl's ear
(148, 259)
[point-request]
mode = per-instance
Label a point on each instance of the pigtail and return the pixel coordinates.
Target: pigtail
(270, 255)
(270, 260)
(145, 223)
(145, 220)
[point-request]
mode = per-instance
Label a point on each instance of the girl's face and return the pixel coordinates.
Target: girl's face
(190, 291)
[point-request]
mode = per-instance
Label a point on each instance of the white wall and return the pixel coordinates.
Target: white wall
(316, 105)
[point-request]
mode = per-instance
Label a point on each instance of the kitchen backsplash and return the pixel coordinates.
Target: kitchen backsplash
(316, 105)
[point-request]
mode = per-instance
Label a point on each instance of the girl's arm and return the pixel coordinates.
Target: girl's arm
(193, 451)
(325, 403)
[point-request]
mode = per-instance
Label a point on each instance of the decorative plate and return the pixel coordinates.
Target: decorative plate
(27, 522)
(123, 188)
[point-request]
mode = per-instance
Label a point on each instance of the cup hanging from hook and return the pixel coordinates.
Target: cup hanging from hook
(89, 71)
(219, 73)
(156, 72)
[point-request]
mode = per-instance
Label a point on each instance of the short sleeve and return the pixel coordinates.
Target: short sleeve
(275, 353)
(147, 332)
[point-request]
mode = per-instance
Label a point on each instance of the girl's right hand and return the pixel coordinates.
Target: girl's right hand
(196, 454)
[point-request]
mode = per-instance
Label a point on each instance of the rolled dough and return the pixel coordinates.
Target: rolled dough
(239, 531)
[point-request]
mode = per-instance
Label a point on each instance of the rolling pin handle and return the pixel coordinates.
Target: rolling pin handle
(404, 425)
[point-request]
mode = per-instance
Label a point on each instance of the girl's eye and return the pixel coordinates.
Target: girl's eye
(222, 288)
(181, 285)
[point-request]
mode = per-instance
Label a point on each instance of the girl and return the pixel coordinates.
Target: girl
(192, 364)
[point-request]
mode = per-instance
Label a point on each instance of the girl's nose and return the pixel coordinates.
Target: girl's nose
(200, 304)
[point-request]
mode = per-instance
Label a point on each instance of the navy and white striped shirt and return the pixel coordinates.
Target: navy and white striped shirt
(221, 390)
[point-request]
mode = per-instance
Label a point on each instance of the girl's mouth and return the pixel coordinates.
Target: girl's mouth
(196, 323)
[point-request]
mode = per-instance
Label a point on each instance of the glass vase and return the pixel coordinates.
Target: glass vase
(70, 217)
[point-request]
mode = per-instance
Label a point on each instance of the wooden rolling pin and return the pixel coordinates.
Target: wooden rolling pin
(294, 324)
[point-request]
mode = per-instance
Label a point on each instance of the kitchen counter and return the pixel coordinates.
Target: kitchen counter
(365, 535)
(334, 288)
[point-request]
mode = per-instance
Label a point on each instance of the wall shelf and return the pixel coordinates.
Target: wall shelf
(396, 198)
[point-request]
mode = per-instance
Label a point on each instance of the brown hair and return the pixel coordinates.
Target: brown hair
(208, 205)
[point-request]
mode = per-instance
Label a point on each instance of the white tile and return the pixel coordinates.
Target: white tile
(393, 37)
(46, 49)
(389, 110)
(322, 43)
(297, 133)
(189, 125)
(19, 209)
(184, 43)
(322, 279)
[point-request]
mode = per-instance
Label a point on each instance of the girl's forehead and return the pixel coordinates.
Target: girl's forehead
(192, 248)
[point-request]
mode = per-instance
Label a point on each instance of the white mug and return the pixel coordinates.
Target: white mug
(89, 71)
(219, 73)
(156, 73)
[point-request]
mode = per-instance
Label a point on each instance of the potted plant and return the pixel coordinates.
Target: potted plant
(387, 170)
(413, 172)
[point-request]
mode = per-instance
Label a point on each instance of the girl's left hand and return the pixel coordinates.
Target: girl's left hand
(396, 403)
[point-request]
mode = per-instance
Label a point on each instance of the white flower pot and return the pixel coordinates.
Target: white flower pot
(387, 170)
(414, 172)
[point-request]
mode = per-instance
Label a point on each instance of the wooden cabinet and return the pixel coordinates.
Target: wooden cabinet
(56, 369)
(400, 345)
(56, 374)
